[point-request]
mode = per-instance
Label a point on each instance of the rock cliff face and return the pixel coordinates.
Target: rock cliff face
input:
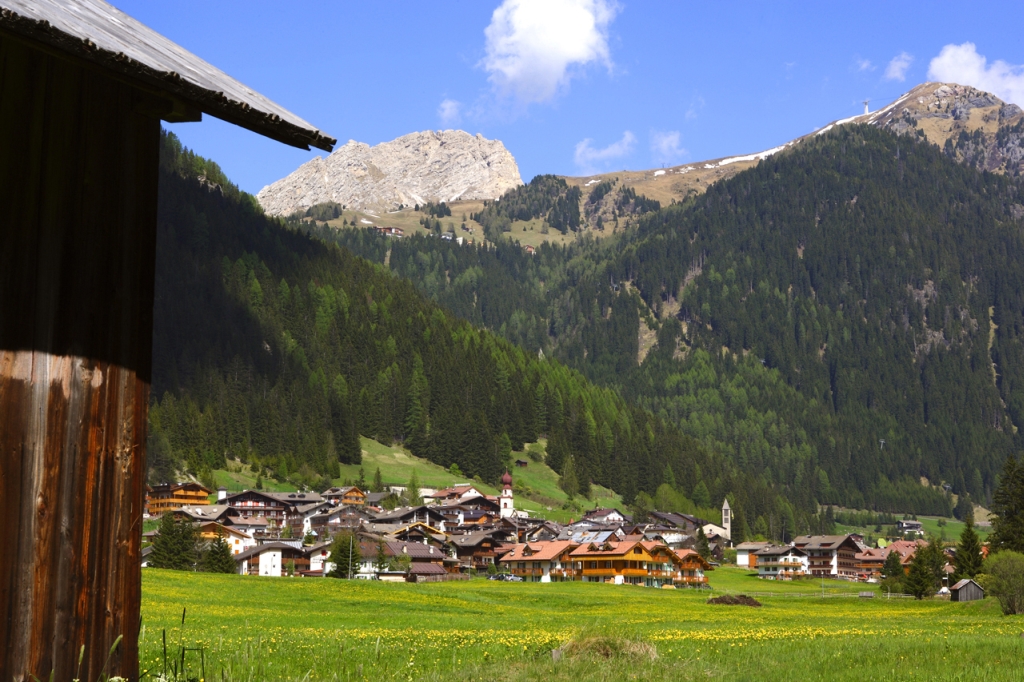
(414, 169)
(972, 126)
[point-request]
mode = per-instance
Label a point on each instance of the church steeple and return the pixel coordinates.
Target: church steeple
(727, 519)
(507, 503)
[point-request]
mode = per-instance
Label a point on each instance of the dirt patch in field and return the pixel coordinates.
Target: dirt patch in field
(735, 600)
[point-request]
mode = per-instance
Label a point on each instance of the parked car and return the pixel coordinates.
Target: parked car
(514, 578)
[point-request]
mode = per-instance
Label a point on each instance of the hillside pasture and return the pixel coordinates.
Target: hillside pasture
(326, 629)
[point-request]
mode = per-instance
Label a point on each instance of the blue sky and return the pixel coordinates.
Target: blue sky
(579, 86)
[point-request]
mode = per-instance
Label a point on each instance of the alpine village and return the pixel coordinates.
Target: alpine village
(402, 415)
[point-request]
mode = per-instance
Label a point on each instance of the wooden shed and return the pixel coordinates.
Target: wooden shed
(83, 88)
(966, 590)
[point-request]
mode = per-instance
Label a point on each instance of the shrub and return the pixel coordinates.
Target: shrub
(1005, 580)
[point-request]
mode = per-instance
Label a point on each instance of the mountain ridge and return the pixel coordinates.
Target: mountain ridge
(421, 167)
(969, 124)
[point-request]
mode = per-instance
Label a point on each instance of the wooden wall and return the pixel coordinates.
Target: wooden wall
(78, 172)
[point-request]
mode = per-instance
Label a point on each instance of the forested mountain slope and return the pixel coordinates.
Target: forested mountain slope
(841, 320)
(275, 348)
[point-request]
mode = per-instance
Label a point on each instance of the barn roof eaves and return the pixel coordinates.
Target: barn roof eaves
(96, 32)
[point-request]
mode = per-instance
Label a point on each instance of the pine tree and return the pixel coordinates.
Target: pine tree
(378, 482)
(893, 567)
(218, 558)
(1008, 508)
(670, 477)
(568, 482)
(176, 545)
(702, 544)
(919, 581)
(344, 555)
(968, 552)
(412, 494)
(381, 563)
(701, 495)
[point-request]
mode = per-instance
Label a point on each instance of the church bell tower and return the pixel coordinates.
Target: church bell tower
(507, 506)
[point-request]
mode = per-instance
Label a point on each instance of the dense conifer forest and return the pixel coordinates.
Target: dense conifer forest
(277, 349)
(840, 321)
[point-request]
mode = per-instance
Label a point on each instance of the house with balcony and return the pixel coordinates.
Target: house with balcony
(237, 539)
(347, 495)
(626, 562)
(691, 569)
(830, 556)
(478, 549)
(781, 562)
(540, 562)
(171, 496)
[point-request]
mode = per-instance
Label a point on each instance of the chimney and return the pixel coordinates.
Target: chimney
(222, 494)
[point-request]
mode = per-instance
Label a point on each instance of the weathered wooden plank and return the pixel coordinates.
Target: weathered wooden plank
(78, 162)
(95, 31)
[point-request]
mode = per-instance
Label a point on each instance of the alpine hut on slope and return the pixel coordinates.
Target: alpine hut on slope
(83, 88)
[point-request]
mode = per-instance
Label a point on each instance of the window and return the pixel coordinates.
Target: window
(637, 550)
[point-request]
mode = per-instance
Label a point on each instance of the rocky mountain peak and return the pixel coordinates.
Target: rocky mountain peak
(421, 167)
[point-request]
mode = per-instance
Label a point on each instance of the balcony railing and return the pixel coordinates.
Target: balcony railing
(528, 571)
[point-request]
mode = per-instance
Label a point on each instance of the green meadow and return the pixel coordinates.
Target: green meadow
(252, 628)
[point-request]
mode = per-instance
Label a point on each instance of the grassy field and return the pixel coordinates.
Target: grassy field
(324, 629)
(952, 529)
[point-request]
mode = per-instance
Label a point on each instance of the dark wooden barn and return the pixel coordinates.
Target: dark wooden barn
(966, 590)
(83, 88)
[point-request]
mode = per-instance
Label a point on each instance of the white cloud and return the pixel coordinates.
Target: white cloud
(665, 147)
(898, 65)
(696, 104)
(534, 46)
(962, 64)
(588, 159)
(450, 112)
(864, 64)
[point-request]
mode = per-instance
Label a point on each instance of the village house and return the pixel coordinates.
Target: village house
(238, 540)
(684, 522)
(221, 513)
(256, 526)
(252, 503)
(691, 568)
(830, 555)
(454, 494)
(543, 532)
(746, 553)
(328, 522)
(273, 559)
(420, 533)
(477, 550)
(906, 549)
(403, 516)
(908, 526)
(870, 562)
(782, 562)
(633, 562)
(605, 516)
(348, 495)
(540, 562)
(170, 496)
